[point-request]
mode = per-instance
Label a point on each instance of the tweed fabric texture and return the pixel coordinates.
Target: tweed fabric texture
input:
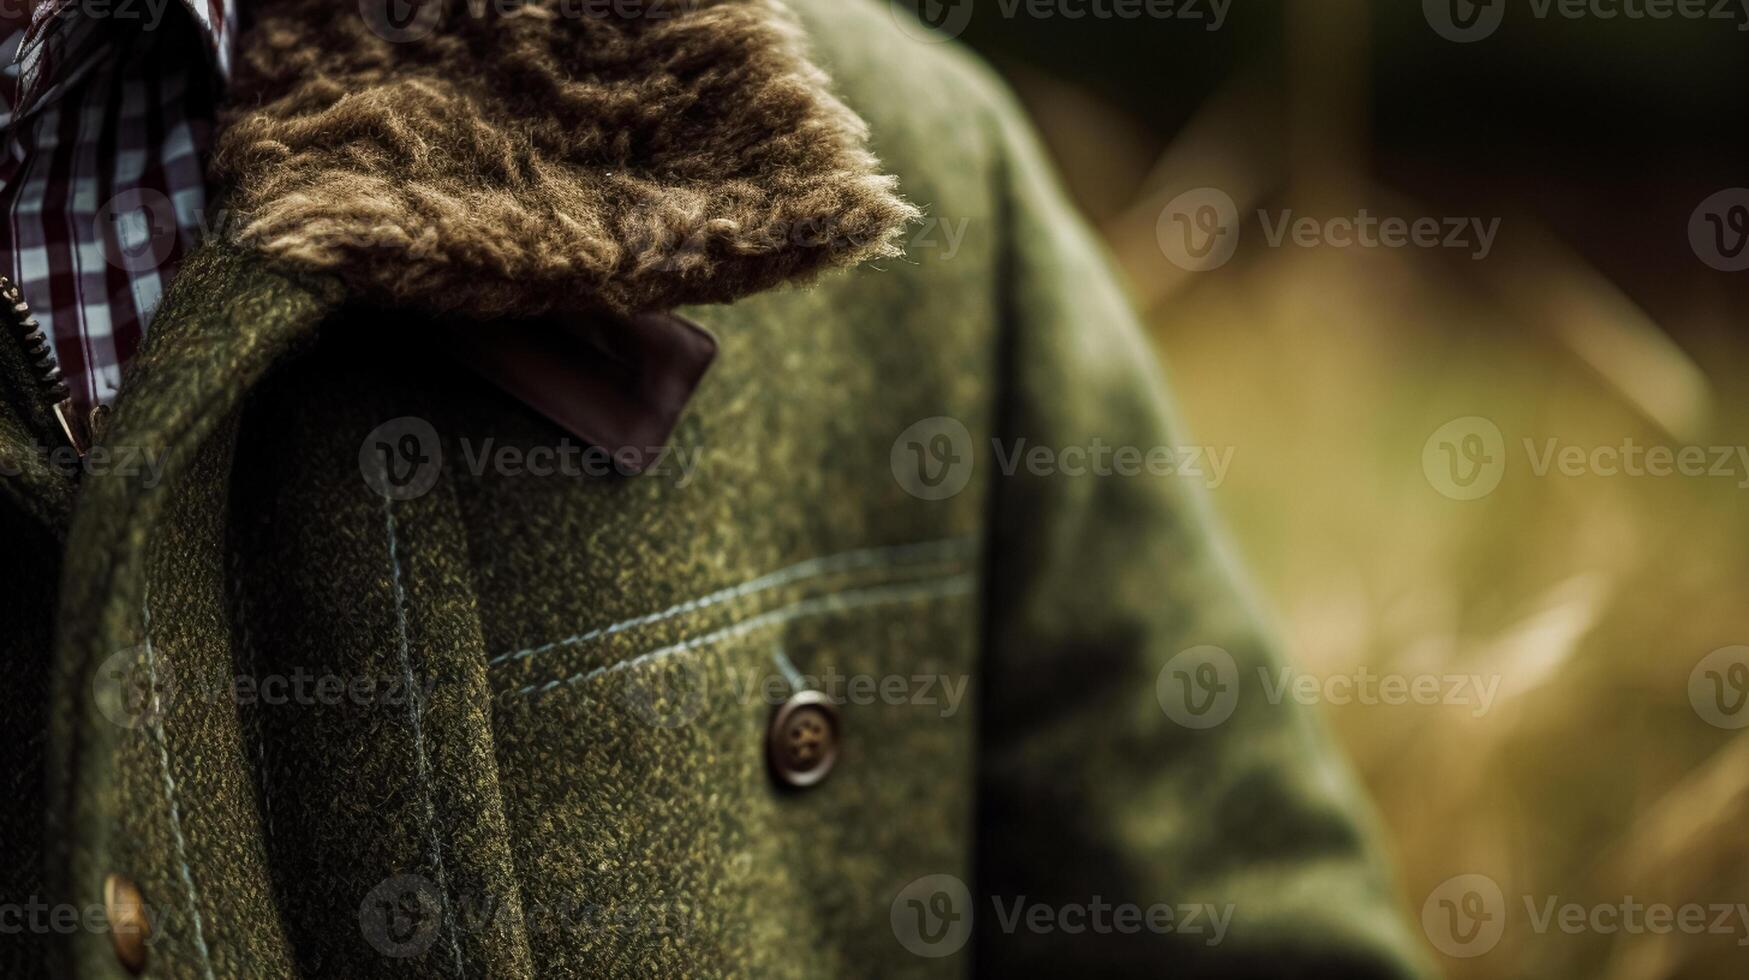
(28, 579)
(573, 782)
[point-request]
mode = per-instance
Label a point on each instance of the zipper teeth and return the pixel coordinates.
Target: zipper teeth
(37, 348)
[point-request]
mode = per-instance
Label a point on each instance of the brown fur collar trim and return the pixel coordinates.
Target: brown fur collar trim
(500, 159)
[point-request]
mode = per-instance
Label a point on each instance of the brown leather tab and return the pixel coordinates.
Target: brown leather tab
(618, 383)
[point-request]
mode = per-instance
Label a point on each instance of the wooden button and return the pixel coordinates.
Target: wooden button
(128, 928)
(802, 742)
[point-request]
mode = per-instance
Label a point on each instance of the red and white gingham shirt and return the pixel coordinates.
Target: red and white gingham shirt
(106, 116)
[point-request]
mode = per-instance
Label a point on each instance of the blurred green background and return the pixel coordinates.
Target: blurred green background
(1593, 778)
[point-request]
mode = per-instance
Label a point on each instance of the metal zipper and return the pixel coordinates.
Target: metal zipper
(39, 353)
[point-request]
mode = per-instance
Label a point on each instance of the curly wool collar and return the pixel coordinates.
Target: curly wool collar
(487, 158)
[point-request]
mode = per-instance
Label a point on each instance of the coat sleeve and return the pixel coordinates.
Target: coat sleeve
(1129, 753)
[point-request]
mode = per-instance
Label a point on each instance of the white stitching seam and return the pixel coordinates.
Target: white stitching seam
(960, 584)
(413, 703)
(847, 561)
(170, 792)
(246, 641)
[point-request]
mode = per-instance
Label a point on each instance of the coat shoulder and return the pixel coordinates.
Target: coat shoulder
(938, 115)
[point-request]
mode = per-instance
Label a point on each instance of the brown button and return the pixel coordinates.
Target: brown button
(128, 928)
(802, 743)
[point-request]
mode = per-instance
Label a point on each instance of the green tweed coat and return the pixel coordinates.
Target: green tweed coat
(334, 660)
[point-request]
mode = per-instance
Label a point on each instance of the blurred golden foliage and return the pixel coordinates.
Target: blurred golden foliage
(1592, 777)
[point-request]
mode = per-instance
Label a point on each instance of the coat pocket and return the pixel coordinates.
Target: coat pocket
(648, 826)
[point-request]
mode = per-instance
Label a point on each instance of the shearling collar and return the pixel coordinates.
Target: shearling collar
(487, 158)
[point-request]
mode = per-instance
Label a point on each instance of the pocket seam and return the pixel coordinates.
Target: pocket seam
(848, 600)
